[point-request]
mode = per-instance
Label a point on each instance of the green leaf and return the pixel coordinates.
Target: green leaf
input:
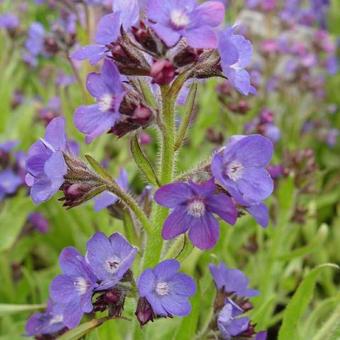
(7, 309)
(188, 327)
(189, 108)
(299, 303)
(82, 329)
(13, 216)
(143, 162)
(98, 168)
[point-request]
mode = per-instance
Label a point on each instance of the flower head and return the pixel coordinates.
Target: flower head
(176, 19)
(38, 222)
(167, 290)
(49, 322)
(35, 40)
(109, 258)
(107, 89)
(9, 21)
(229, 321)
(240, 168)
(193, 208)
(74, 288)
(107, 198)
(236, 52)
(231, 281)
(45, 165)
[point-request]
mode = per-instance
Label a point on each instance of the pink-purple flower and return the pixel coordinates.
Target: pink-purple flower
(236, 53)
(45, 165)
(194, 206)
(240, 167)
(107, 88)
(167, 290)
(74, 288)
(109, 258)
(49, 322)
(107, 32)
(176, 19)
(230, 322)
(9, 182)
(231, 281)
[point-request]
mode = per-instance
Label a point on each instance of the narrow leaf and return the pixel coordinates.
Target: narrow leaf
(143, 162)
(7, 309)
(299, 303)
(98, 168)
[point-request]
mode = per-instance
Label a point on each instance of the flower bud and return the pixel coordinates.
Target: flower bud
(144, 312)
(162, 72)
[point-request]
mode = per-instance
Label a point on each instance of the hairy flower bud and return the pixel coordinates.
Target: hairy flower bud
(162, 72)
(144, 312)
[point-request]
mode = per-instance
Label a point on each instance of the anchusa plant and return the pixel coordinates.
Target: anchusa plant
(154, 55)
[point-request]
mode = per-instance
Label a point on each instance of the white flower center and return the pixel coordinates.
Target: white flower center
(196, 208)
(112, 264)
(56, 319)
(235, 170)
(162, 288)
(179, 18)
(105, 102)
(81, 285)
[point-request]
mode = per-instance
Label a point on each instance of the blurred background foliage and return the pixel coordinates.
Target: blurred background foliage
(277, 260)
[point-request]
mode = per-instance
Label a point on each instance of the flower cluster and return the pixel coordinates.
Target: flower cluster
(232, 301)
(102, 280)
(240, 179)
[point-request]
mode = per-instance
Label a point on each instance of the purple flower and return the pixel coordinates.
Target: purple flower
(176, 19)
(231, 280)
(48, 323)
(166, 290)
(45, 165)
(128, 12)
(73, 290)
(35, 40)
(9, 182)
(107, 32)
(107, 89)
(109, 258)
(240, 167)
(236, 53)
(9, 21)
(38, 222)
(229, 321)
(107, 198)
(193, 208)
(7, 146)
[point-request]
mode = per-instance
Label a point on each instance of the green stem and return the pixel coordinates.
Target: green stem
(131, 203)
(166, 172)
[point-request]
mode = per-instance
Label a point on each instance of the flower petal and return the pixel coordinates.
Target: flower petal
(204, 232)
(178, 222)
(174, 194)
(201, 37)
(260, 213)
(223, 206)
(166, 269)
(108, 29)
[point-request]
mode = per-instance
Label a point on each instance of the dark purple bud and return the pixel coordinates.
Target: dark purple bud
(144, 312)
(162, 72)
(51, 45)
(146, 37)
(214, 136)
(187, 56)
(241, 107)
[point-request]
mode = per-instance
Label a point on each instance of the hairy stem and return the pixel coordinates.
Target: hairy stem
(130, 203)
